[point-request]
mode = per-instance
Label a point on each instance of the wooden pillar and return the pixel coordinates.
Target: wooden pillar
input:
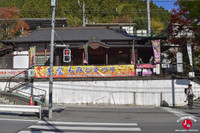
(4, 62)
(45, 55)
(57, 60)
(83, 58)
(106, 58)
(136, 55)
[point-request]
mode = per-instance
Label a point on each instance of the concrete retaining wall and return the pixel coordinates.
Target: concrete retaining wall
(117, 92)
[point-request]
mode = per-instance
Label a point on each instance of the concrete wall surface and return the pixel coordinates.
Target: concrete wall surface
(116, 92)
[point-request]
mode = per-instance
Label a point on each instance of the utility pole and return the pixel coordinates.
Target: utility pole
(83, 14)
(83, 11)
(148, 19)
(51, 57)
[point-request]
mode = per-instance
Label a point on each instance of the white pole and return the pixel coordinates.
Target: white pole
(83, 14)
(51, 57)
(148, 19)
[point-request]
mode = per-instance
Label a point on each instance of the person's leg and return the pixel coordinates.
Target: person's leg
(189, 102)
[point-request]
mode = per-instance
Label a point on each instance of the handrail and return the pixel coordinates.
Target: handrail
(41, 96)
(19, 73)
(9, 79)
(45, 92)
(21, 83)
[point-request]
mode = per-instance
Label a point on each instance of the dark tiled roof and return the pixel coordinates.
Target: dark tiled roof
(75, 34)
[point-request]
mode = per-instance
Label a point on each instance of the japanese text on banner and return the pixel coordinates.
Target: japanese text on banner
(85, 71)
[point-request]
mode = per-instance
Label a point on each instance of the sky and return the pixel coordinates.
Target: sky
(167, 4)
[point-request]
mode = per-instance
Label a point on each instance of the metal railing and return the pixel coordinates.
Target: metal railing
(41, 94)
(22, 108)
(40, 97)
(165, 69)
(9, 80)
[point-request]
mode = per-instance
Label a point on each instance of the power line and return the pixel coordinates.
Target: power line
(68, 12)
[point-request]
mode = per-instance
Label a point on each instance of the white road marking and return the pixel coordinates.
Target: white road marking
(87, 123)
(67, 127)
(38, 127)
(45, 132)
(177, 112)
(22, 120)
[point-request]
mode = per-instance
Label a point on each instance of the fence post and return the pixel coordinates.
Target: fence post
(134, 98)
(161, 102)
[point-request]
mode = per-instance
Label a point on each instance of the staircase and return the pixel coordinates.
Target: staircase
(18, 99)
(197, 103)
(13, 95)
(3, 100)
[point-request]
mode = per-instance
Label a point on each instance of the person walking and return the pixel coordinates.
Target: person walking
(190, 96)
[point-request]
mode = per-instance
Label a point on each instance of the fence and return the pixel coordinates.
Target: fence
(6, 62)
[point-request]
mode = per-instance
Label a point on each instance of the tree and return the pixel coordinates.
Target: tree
(11, 26)
(156, 26)
(97, 11)
(186, 18)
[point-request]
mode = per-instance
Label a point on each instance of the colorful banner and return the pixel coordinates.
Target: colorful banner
(32, 56)
(140, 66)
(85, 71)
(20, 73)
(156, 50)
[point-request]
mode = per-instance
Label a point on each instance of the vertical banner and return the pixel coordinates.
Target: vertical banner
(189, 49)
(85, 60)
(156, 50)
(179, 61)
(32, 56)
(133, 55)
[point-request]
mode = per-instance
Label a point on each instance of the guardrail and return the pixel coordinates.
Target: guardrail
(22, 108)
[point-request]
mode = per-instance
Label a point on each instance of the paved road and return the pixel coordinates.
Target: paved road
(104, 120)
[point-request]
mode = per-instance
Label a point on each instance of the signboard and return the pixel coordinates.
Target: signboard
(85, 71)
(156, 50)
(179, 61)
(53, 2)
(189, 49)
(10, 73)
(139, 66)
(157, 68)
(21, 59)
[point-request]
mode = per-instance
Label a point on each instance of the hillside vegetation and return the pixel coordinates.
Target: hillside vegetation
(97, 11)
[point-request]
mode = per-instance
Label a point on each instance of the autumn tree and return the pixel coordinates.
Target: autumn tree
(11, 26)
(184, 28)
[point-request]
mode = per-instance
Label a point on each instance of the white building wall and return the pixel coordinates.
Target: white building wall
(116, 92)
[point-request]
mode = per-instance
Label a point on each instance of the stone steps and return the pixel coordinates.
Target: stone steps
(18, 99)
(196, 103)
(3, 100)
